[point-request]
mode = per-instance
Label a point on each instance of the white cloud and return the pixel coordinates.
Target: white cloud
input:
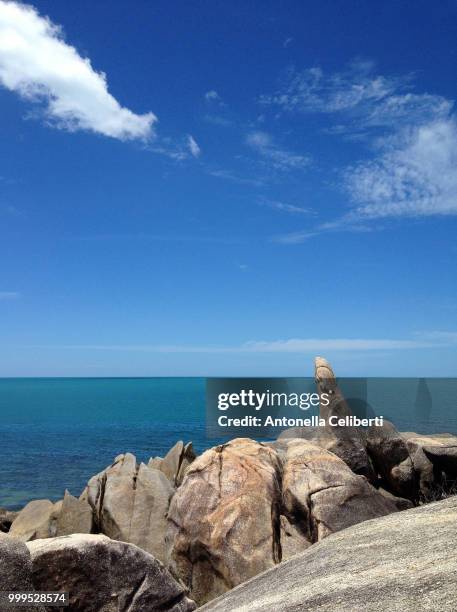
(36, 63)
(312, 90)
(412, 171)
(194, 149)
(414, 175)
(277, 158)
(371, 99)
(292, 345)
(9, 295)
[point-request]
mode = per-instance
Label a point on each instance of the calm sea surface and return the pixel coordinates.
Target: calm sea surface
(56, 433)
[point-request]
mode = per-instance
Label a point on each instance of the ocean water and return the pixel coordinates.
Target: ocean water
(57, 433)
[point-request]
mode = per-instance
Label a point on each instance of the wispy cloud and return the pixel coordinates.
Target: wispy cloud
(411, 170)
(292, 345)
(285, 207)
(37, 64)
(236, 178)
(277, 158)
(415, 174)
(358, 92)
(9, 295)
(176, 149)
(194, 149)
(312, 90)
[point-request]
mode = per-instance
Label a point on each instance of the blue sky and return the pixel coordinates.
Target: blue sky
(228, 188)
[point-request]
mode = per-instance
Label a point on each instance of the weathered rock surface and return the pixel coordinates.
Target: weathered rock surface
(104, 575)
(392, 460)
(130, 503)
(149, 518)
(75, 516)
(404, 561)
(440, 450)
(15, 567)
(175, 462)
(224, 519)
(187, 458)
(346, 442)
(38, 519)
(322, 495)
(6, 519)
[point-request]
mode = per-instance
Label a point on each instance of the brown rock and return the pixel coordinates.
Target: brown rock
(38, 519)
(322, 495)
(224, 519)
(171, 462)
(103, 575)
(187, 458)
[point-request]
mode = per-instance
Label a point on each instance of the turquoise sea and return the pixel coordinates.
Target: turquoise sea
(55, 433)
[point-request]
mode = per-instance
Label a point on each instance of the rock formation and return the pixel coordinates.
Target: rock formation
(38, 519)
(322, 495)
(224, 519)
(175, 463)
(244, 506)
(104, 575)
(404, 561)
(392, 460)
(130, 503)
(75, 516)
(16, 568)
(346, 442)
(6, 519)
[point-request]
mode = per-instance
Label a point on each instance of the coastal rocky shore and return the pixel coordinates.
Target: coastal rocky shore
(323, 518)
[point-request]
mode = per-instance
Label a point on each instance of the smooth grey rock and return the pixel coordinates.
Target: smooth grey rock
(402, 562)
(103, 575)
(38, 519)
(75, 517)
(16, 568)
(130, 503)
(110, 494)
(148, 526)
